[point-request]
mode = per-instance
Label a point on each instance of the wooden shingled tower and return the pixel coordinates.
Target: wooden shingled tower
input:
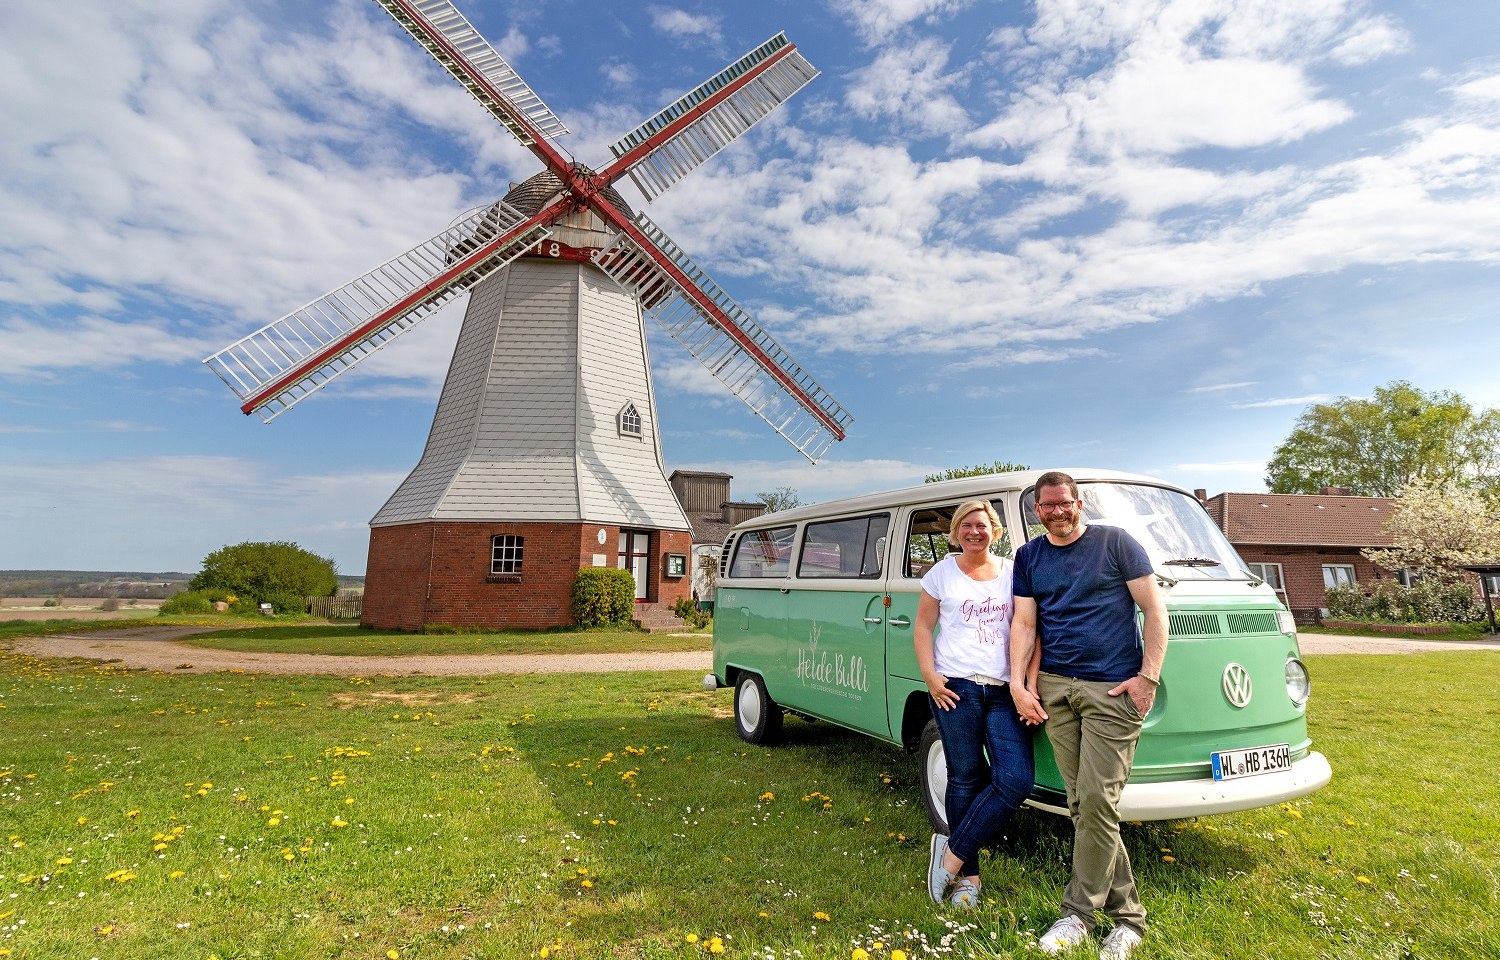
(544, 455)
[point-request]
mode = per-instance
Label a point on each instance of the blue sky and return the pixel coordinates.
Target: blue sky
(1142, 235)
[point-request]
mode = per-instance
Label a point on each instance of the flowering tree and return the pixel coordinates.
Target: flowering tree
(1435, 530)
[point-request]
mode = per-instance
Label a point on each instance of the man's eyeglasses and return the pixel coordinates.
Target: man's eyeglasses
(1056, 507)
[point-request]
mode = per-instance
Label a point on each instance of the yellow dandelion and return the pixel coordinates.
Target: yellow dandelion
(586, 883)
(339, 822)
(1362, 879)
(132, 814)
(716, 945)
(392, 955)
(691, 938)
(1168, 858)
(64, 861)
(763, 914)
(820, 915)
(105, 930)
(274, 822)
(176, 874)
(898, 954)
(860, 953)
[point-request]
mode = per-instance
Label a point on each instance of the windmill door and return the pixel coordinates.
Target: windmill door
(635, 556)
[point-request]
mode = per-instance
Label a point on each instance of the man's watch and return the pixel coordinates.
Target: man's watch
(1154, 681)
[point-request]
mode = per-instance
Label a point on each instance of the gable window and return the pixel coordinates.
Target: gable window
(1270, 573)
(1338, 575)
(506, 552)
(629, 421)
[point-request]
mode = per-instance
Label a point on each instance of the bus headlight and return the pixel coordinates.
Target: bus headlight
(1286, 623)
(1298, 685)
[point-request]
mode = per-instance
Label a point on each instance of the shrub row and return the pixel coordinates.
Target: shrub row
(1387, 601)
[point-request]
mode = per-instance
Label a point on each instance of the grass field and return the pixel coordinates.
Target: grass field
(349, 640)
(236, 816)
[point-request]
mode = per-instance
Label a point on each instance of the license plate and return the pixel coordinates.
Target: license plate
(1251, 761)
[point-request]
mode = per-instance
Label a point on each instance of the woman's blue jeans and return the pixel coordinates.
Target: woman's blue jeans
(990, 766)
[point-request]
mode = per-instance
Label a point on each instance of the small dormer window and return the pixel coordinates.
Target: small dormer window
(629, 421)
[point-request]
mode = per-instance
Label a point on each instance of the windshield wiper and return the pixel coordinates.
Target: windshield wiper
(1192, 562)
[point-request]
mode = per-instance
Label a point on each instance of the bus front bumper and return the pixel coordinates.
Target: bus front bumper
(1179, 799)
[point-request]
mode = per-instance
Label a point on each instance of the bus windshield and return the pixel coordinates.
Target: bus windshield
(1180, 538)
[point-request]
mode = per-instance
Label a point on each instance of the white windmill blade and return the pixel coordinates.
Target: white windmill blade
(724, 338)
(671, 144)
(453, 42)
(285, 361)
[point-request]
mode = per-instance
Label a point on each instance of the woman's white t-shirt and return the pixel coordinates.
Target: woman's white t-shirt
(973, 636)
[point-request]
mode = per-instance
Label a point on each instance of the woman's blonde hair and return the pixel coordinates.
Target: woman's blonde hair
(968, 507)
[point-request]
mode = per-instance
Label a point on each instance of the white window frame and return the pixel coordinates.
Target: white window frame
(1330, 574)
(629, 422)
(507, 551)
(1261, 568)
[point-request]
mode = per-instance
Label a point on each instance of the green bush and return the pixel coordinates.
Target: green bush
(687, 611)
(1387, 601)
(256, 572)
(603, 596)
(191, 602)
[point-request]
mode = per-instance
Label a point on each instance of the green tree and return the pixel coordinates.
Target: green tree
(978, 470)
(259, 571)
(1375, 447)
(782, 498)
(1435, 531)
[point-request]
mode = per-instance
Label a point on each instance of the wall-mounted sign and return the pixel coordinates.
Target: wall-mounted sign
(676, 564)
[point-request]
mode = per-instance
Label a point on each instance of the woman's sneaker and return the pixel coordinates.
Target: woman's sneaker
(1120, 943)
(1063, 935)
(937, 878)
(965, 895)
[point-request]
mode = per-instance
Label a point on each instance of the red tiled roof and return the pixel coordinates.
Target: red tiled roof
(1294, 519)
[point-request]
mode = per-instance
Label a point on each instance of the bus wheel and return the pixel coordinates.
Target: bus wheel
(757, 718)
(934, 769)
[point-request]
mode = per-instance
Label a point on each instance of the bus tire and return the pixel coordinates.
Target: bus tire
(757, 718)
(933, 768)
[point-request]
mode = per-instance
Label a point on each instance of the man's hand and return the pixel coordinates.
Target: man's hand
(1141, 691)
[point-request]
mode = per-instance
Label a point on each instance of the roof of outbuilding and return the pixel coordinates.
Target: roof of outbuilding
(1295, 519)
(709, 528)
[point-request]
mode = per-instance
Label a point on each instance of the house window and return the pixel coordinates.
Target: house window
(1270, 573)
(1338, 575)
(630, 421)
(505, 554)
(1407, 577)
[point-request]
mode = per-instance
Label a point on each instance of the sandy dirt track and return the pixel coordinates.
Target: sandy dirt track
(156, 648)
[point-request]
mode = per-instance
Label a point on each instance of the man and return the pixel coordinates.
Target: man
(1076, 591)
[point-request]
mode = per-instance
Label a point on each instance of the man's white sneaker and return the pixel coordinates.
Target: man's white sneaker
(1120, 944)
(1064, 934)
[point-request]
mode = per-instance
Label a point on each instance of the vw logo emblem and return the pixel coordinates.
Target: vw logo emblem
(1237, 685)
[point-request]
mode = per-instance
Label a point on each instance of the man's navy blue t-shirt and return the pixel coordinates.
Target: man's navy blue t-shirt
(1086, 621)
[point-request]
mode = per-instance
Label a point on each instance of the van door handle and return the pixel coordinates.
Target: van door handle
(873, 619)
(900, 622)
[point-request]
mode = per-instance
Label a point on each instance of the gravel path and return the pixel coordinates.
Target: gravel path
(156, 648)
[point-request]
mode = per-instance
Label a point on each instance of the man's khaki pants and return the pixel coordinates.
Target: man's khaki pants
(1093, 736)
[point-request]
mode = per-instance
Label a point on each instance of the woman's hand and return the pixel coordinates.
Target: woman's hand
(1027, 705)
(937, 687)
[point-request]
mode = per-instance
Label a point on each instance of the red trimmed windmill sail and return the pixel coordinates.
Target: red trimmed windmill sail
(544, 447)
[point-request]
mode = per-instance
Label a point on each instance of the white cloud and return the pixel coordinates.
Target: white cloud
(877, 20)
(191, 504)
(906, 86)
(681, 24)
(1283, 402)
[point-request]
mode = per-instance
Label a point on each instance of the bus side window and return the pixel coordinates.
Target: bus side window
(763, 553)
(845, 548)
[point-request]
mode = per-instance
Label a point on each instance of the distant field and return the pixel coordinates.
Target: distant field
(74, 608)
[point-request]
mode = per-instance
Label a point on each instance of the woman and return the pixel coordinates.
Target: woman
(967, 596)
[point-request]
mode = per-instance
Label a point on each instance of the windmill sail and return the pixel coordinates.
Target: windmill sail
(725, 339)
(285, 361)
(671, 144)
(453, 42)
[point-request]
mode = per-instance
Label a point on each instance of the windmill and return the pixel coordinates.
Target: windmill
(544, 456)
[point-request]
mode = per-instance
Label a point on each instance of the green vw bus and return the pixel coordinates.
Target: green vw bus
(814, 610)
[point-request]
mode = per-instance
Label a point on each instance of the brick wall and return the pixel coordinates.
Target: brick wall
(1302, 573)
(437, 572)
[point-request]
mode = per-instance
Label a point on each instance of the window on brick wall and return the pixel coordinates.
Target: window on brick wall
(506, 553)
(1338, 575)
(1269, 572)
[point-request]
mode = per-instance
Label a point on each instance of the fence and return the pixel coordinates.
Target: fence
(336, 608)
